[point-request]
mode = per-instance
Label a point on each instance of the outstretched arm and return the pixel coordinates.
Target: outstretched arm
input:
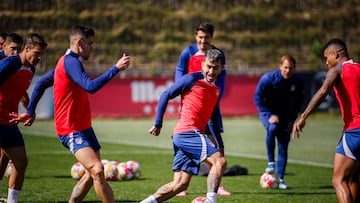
(332, 76)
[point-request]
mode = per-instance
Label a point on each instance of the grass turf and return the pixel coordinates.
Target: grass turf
(309, 170)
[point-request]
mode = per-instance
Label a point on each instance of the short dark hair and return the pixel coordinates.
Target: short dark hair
(13, 37)
(82, 32)
(214, 55)
(340, 46)
(205, 27)
(34, 39)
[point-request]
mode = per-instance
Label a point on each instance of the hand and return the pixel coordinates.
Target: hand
(274, 119)
(297, 128)
(154, 131)
(24, 117)
(123, 63)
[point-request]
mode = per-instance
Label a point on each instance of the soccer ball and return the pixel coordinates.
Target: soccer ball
(200, 200)
(110, 172)
(104, 161)
(77, 171)
(124, 172)
(135, 168)
(268, 181)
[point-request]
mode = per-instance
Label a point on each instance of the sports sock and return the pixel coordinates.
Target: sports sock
(13, 195)
(150, 199)
(211, 196)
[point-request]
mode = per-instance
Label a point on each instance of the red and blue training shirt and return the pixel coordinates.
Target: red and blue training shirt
(15, 79)
(71, 88)
(348, 94)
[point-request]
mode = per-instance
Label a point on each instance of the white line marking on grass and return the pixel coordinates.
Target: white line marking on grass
(254, 156)
(162, 146)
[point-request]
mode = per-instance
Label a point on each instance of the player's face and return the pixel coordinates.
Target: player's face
(211, 70)
(203, 40)
(34, 54)
(11, 48)
(287, 69)
(330, 58)
(86, 48)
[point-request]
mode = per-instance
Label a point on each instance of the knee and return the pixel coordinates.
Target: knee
(96, 171)
(337, 181)
(272, 127)
(222, 162)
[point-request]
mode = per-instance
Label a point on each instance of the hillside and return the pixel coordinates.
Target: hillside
(253, 33)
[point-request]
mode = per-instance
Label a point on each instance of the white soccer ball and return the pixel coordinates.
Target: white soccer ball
(124, 173)
(104, 161)
(200, 199)
(268, 181)
(77, 171)
(135, 168)
(110, 171)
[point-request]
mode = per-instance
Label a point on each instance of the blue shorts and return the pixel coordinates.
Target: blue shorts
(190, 149)
(78, 140)
(349, 144)
(10, 136)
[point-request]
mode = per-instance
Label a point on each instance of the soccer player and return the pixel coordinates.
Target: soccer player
(16, 73)
(344, 77)
(199, 96)
(11, 46)
(278, 97)
(190, 61)
(73, 114)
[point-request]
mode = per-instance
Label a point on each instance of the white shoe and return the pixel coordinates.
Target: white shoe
(270, 168)
(283, 186)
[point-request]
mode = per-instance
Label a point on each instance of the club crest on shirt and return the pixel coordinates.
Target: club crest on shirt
(78, 140)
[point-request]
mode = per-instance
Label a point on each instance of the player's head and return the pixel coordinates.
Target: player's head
(335, 51)
(13, 44)
(212, 64)
(81, 40)
(287, 66)
(203, 35)
(2, 39)
(34, 49)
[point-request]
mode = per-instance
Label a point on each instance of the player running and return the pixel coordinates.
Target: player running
(199, 96)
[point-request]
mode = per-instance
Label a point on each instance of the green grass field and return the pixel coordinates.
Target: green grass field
(309, 170)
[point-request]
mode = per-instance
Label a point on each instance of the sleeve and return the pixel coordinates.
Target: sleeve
(221, 82)
(179, 87)
(75, 71)
(9, 66)
(182, 65)
(260, 94)
(45, 82)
